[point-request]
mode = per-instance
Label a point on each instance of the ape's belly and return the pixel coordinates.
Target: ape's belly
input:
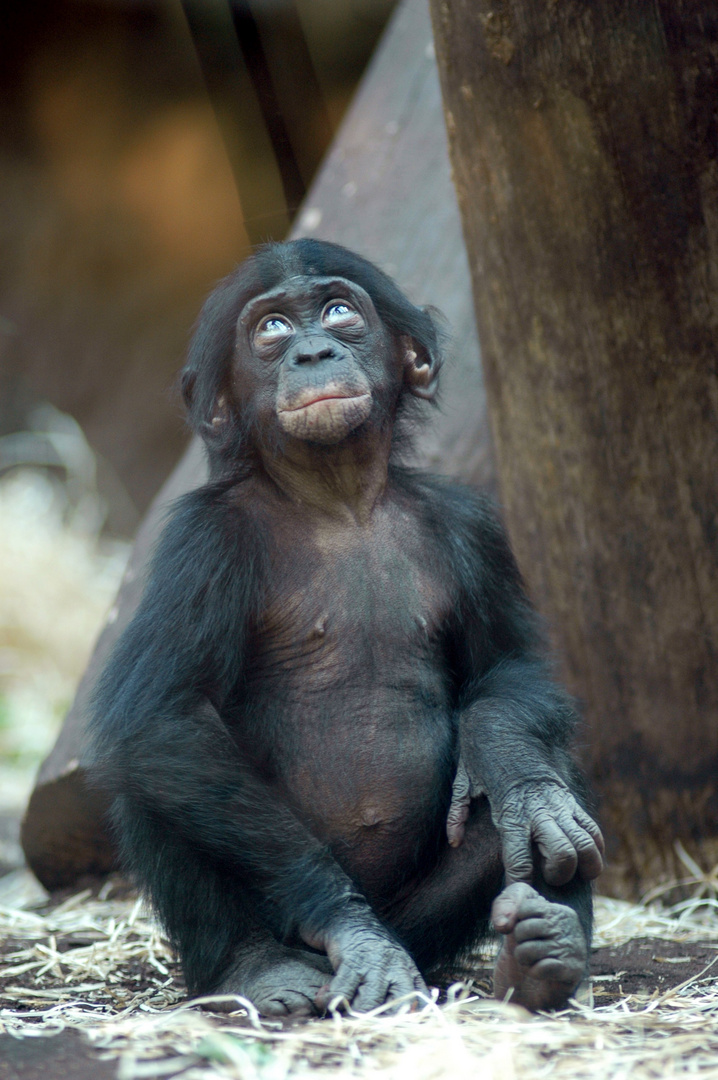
(373, 781)
(346, 705)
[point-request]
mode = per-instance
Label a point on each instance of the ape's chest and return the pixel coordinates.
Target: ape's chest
(369, 611)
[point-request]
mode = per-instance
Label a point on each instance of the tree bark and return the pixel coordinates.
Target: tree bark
(583, 139)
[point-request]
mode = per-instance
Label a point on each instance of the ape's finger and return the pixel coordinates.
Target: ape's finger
(289, 1003)
(530, 952)
(588, 854)
(556, 968)
(585, 837)
(559, 856)
(399, 992)
(534, 925)
(461, 787)
(459, 808)
(518, 863)
(456, 821)
(372, 993)
(586, 822)
(344, 985)
(592, 845)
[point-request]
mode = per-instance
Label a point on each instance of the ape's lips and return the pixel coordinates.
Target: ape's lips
(315, 395)
(324, 414)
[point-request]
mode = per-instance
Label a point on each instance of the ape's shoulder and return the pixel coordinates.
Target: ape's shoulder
(205, 581)
(213, 522)
(451, 508)
(210, 554)
(470, 543)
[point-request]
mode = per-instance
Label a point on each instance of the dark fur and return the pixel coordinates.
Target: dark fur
(220, 856)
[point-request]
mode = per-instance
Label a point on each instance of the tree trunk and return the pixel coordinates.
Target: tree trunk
(583, 138)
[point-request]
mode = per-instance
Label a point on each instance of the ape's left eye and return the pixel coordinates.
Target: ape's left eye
(340, 313)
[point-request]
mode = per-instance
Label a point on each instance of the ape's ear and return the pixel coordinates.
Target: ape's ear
(219, 414)
(421, 369)
(187, 381)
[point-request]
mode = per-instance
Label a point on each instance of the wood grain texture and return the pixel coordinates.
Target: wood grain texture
(385, 190)
(583, 139)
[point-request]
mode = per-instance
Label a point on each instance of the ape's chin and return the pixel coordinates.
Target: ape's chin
(327, 421)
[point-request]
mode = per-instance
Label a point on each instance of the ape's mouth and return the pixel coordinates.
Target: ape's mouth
(324, 416)
(316, 395)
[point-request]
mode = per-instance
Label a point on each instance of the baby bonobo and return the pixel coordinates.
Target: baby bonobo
(335, 753)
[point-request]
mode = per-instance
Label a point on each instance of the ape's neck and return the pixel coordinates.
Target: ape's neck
(344, 481)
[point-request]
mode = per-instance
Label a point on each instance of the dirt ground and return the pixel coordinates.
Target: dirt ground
(644, 965)
(641, 966)
(60, 1057)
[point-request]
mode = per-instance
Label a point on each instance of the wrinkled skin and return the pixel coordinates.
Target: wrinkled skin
(363, 969)
(278, 980)
(544, 813)
(544, 953)
(371, 968)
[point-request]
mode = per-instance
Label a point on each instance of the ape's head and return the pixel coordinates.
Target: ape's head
(305, 341)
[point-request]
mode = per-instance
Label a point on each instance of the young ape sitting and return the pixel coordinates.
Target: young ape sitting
(329, 734)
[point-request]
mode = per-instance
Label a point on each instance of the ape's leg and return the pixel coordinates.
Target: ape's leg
(448, 912)
(547, 930)
(213, 922)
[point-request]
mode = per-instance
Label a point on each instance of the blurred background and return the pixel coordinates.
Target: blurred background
(144, 146)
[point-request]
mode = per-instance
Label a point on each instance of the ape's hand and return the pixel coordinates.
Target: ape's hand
(543, 812)
(569, 841)
(464, 790)
(371, 968)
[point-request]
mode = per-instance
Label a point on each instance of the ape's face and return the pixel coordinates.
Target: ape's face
(313, 356)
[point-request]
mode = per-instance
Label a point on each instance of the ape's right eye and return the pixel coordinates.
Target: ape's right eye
(271, 328)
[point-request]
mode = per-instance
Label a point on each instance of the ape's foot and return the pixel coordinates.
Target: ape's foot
(544, 952)
(279, 981)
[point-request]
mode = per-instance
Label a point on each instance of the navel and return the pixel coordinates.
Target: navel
(371, 817)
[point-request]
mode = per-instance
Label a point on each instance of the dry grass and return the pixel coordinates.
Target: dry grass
(57, 581)
(98, 964)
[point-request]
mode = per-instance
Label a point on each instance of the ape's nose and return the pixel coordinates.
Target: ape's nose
(313, 350)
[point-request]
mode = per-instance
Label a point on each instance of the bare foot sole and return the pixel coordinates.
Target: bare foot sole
(279, 981)
(544, 952)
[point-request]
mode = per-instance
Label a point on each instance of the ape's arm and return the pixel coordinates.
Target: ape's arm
(162, 751)
(514, 722)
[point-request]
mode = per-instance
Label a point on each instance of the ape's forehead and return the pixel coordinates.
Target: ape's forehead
(303, 290)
